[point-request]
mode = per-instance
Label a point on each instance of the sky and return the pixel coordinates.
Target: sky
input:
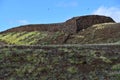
(14, 13)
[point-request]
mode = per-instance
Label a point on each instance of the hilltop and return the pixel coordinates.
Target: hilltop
(80, 30)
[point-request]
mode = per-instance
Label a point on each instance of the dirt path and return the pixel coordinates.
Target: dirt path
(113, 47)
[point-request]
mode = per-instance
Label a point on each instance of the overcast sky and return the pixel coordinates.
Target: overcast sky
(20, 12)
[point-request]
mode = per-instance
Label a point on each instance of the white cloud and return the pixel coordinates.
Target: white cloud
(113, 12)
(68, 4)
(22, 21)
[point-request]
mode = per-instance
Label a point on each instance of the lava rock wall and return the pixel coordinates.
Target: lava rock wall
(84, 22)
(37, 27)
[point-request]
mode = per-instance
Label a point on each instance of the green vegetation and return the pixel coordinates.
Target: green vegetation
(29, 38)
(61, 63)
(72, 70)
(20, 38)
(58, 63)
(116, 67)
(99, 33)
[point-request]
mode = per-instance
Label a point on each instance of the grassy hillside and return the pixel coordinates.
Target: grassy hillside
(100, 33)
(59, 64)
(30, 38)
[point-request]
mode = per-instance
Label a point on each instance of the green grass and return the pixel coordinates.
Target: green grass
(20, 38)
(116, 67)
(29, 38)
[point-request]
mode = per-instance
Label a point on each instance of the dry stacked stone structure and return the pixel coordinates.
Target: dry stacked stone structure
(72, 25)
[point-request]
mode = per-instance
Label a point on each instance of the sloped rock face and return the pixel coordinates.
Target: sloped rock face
(72, 25)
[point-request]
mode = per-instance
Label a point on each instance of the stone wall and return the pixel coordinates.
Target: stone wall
(87, 21)
(37, 27)
(72, 25)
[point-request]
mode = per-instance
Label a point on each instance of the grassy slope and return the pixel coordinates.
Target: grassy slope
(59, 64)
(100, 33)
(29, 38)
